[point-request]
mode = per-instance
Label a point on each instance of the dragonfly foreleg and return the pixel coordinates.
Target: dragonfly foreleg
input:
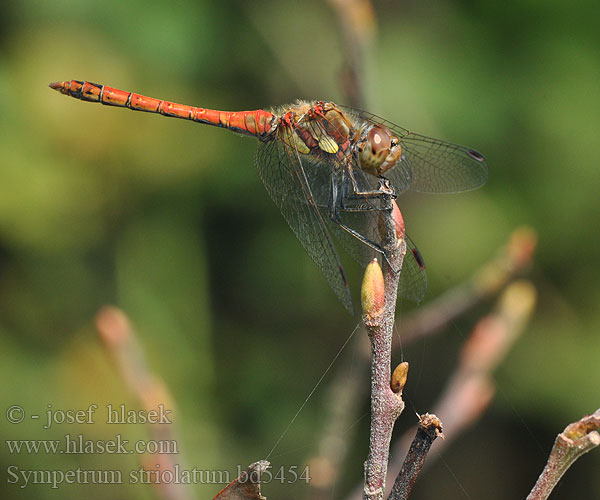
(360, 201)
(384, 188)
(335, 204)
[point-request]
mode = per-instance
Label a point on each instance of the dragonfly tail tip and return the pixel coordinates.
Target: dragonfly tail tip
(59, 86)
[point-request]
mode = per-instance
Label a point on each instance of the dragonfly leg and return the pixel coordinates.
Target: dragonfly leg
(366, 241)
(384, 188)
(335, 204)
(357, 196)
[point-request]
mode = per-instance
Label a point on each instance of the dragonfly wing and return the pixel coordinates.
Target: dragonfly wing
(413, 278)
(442, 167)
(429, 165)
(281, 169)
(364, 223)
(401, 176)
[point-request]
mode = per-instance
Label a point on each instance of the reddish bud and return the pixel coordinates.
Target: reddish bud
(398, 223)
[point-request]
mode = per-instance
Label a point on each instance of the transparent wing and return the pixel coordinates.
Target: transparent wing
(431, 165)
(442, 167)
(287, 179)
(413, 278)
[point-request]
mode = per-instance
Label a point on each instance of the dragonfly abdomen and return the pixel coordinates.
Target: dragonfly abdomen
(257, 122)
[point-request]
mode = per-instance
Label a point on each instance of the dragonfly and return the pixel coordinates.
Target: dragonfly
(323, 165)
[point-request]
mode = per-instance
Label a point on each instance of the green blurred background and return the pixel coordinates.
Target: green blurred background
(169, 221)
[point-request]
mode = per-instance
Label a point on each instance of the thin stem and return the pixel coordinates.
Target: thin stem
(386, 406)
(430, 427)
(577, 439)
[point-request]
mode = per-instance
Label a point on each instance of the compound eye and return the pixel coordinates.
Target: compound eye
(380, 140)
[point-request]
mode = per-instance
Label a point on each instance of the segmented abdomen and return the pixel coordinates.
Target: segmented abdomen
(257, 122)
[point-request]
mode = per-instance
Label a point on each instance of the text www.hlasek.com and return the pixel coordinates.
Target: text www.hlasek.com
(79, 445)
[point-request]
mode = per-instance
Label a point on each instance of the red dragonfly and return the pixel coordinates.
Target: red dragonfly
(323, 166)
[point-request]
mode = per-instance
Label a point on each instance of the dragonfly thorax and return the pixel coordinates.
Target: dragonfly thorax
(323, 129)
(317, 128)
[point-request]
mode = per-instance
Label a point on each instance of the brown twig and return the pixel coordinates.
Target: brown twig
(379, 305)
(577, 439)
(511, 259)
(119, 338)
(429, 428)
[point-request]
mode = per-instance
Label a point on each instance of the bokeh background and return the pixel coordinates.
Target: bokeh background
(169, 221)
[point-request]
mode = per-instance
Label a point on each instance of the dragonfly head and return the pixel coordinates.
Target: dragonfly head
(379, 150)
